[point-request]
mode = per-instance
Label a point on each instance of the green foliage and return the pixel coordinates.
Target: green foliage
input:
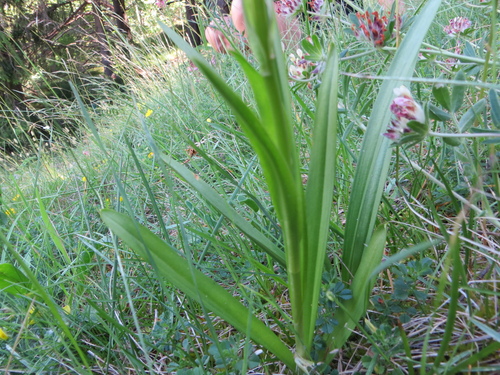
(183, 275)
(407, 276)
(13, 281)
(174, 161)
(225, 355)
(495, 108)
(271, 134)
(388, 345)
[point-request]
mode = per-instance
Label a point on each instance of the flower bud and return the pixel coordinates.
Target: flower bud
(405, 109)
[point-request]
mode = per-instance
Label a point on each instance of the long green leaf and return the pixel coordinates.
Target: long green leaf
(493, 333)
(458, 93)
(281, 166)
(474, 358)
(319, 192)
(361, 287)
(474, 113)
(374, 156)
(49, 226)
(403, 254)
(495, 108)
(194, 283)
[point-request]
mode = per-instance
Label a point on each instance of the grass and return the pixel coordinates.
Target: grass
(173, 156)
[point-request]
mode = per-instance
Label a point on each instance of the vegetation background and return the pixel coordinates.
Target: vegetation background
(101, 116)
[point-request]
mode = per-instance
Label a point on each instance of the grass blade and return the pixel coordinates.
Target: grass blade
(454, 293)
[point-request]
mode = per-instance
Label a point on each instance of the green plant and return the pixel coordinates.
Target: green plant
(304, 226)
(173, 158)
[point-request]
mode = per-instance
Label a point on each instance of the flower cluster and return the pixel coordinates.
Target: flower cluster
(451, 62)
(370, 26)
(316, 5)
(405, 109)
(303, 69)
(457, 25)
(287, 7)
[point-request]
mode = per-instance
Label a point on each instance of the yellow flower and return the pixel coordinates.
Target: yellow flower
(121, 199)
(3, 335)
(209, 120)
(149, 113)
(84, 179)
(67, 309)
(31, 312)
(16, 197)
(151, 154)
(10, 211)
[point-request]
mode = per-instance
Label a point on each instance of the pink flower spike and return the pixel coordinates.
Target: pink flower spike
(457, 25)
(402, 91)
(404, 106)
(316, 5)
(192, 67)
(372, 27)
(287, 7)
(404, 109)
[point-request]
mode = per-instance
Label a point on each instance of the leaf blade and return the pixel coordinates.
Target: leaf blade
(13, 281)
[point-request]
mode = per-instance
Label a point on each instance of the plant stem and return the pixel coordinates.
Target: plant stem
(464, 135)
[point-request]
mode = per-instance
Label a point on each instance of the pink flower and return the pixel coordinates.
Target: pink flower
(161, 4)
(287, 7)
(298, 69)
(405, 109)
(457, 25)
(302, 69)
(451, 62)
(372, 27)
(316, 5)
(192, 67)
(404, 106)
